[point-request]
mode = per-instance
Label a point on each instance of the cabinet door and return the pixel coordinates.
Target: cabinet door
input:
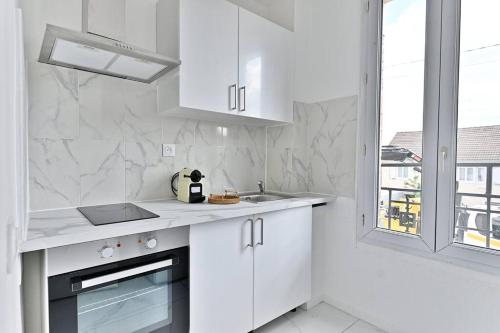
(209, 55)
(265, 68)
(221, 277)
(282, 265)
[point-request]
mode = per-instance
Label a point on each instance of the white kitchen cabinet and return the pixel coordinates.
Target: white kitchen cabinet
(236, 288)
(209, 53)
(282, 264)
(205, 85)
(221, 277)
(265, 68)
(236, 66)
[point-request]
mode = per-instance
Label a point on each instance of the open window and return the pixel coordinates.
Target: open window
(430, 172)
(468, 191)
(397, 181)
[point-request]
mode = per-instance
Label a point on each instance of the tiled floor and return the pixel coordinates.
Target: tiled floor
(321, 319)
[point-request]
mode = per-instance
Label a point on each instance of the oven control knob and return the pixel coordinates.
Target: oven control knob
(151, 243)
(107, 252)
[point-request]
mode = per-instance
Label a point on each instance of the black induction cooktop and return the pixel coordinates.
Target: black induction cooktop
(116, 213)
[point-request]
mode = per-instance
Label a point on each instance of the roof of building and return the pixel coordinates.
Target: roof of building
(475, 144)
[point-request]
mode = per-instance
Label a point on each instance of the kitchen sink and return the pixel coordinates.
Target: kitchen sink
(264, 197)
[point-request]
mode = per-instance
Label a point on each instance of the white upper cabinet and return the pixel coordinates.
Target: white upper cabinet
(209, 55)
(265, 68)
(236, 66)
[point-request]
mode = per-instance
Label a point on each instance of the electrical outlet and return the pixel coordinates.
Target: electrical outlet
(168, 150)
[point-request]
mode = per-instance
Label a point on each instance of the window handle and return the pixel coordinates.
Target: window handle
(444, 156)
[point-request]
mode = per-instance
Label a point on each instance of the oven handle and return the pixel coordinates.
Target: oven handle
(84, 284)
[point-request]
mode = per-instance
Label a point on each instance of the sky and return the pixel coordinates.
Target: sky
(403, 65)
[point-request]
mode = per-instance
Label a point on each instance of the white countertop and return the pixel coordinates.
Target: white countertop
(53, 228)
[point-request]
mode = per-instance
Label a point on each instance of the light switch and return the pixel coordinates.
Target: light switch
(168, 150)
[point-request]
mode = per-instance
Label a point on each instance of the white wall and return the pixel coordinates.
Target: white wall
(396, 291)
(327, 49)
(278, 11)
(401, 292)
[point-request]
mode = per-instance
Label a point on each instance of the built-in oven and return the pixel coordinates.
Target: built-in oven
(145, 294)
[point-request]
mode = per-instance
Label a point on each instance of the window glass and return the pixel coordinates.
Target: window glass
(401, 115)
(470, 174)
(495, 186)
(141, 304)
(461, 173)
(481, 175)
(478, 134)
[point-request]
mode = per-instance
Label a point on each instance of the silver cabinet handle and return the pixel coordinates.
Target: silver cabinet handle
(232, 97)
(251, 233)
(261, 230)
(121, 275)
(243, 100)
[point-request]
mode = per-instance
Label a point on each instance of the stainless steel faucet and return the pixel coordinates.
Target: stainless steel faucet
(261, 186)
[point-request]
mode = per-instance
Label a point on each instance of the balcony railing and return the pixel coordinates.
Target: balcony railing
(407, 219)
(400, 206)
(402, 212)
(490, 206)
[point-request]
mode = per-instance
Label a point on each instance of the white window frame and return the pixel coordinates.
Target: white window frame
(367, 180)
(439, 142)
(445, 228)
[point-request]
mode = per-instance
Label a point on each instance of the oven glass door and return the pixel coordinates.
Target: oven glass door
(140, 304)
(148, 294)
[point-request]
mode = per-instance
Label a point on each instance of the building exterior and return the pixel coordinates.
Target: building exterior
(477, 179)
(478, 148)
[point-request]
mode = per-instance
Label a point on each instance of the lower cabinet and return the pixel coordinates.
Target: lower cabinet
(248, 271)
(221, 277)
(282, 265)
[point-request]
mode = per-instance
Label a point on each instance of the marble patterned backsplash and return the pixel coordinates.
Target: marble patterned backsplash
(94, 139)
(318, 152)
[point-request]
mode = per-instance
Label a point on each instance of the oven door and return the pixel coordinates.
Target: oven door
(144, 295)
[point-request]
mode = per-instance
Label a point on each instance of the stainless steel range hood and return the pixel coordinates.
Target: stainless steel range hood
(97, 54)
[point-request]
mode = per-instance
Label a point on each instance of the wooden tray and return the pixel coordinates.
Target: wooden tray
(226, 199)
